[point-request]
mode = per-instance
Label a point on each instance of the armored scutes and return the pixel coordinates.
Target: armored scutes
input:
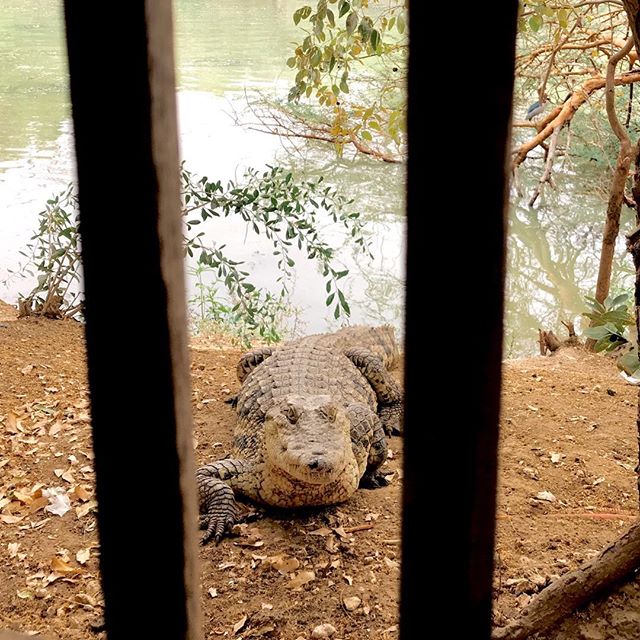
(313, 416)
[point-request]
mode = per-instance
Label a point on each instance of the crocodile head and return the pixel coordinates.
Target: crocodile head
(309, 438)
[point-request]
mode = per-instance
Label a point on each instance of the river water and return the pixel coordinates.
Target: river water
(230, 48)
(226, 50)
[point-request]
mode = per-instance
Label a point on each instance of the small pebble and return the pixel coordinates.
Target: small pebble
(323, 631)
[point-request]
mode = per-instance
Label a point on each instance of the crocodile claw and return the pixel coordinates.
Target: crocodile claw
(216, 525)
(373, 481)
(219, 508)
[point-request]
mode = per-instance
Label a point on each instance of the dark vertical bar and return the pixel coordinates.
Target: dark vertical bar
(123, 96)
(460, 97)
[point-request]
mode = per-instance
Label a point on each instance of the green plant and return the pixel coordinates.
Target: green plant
(352, 62)
(288, 212)
(54, 253)
(211, 305)
(609, 321)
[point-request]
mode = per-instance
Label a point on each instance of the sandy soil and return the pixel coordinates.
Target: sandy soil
(567, 486)
(567, 489)
(280, 577)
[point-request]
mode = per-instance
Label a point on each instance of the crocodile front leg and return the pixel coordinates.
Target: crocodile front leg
(387, 390)
(369, 443)
(250, 360)
(219, 510)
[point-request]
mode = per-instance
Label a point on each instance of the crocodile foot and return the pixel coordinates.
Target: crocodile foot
(373, 480)
(221, 514)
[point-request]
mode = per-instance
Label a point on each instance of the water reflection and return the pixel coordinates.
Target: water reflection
(553, 257)
(223, 48)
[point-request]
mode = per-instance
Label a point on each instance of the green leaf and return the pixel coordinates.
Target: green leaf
(618, 300)
(629, 363)
(343, 303)
(343, 8)
(291, 62)
(336, 313)
(563, 16)
(597, 333)
(352, 22)
(595, 304)
(535, 22)
(375, 39)
(329, 299)
(366, 135)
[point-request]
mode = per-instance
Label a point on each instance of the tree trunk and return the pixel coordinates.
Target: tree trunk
(612, 222)
(576, 588)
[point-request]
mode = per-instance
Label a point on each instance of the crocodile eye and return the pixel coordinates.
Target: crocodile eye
(329, 412)
(291, 413)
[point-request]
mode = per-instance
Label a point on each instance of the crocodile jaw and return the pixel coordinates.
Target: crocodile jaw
(308, 439)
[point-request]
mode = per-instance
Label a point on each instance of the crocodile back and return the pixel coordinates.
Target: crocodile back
(302, 367)
(379, 340)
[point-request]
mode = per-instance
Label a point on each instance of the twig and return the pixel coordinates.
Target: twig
(358, 527)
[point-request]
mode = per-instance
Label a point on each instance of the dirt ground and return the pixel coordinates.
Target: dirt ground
(566, 486)
(566, 489)
(280, 577)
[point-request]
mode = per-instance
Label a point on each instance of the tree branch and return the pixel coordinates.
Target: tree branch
(562, 115)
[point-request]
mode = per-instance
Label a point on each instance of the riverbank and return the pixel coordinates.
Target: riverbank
(287, 573)
(566, 489)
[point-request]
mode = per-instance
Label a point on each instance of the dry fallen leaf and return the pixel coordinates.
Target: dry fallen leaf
(547, 496)
(261, 631)
(249, 543)
(323, 531)
(12, 422)
(82, 555)
(349, 579)
(60, 566)
(331, 545)
(25, 594)
(392, 564)
(238, 625)
(301, 578)
(82, 493)
(26, 370)
(22, 496)
(283, 563)
(55, 428)
(83, 509)
(13, 549)
(9, 519)
(38, 503)
(213, 592)
(342, 533)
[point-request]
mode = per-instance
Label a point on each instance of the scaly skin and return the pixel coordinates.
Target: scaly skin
(312, 417)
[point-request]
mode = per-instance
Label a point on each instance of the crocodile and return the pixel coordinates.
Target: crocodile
(313, 420)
